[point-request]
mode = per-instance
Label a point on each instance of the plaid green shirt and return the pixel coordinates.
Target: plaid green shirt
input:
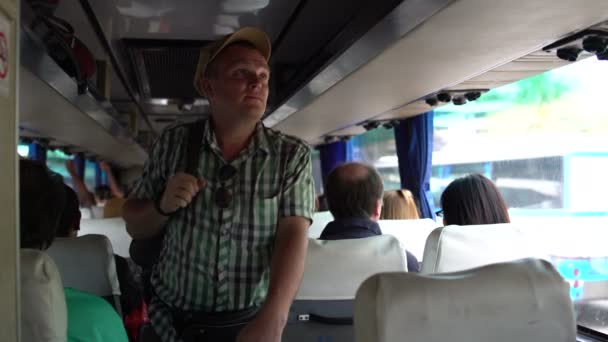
(217, 259)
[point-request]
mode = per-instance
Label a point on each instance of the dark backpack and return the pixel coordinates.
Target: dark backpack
(145, 252)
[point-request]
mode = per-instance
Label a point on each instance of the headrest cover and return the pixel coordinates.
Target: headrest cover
(525, 300)
(411, 233)
(335, 269)
(113, 228)
(86, 263)
(44, 314)
(319, 221)
(455, 248)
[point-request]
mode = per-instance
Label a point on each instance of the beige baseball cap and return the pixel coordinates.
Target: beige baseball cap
(252, 35)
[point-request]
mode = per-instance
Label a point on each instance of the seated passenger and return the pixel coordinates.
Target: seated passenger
(131, 298)
(92, 318)
(43, 312)
(42, 201)
(354, 196)
(69, 224)
(473, 200)
(42, 198)
(399, 205)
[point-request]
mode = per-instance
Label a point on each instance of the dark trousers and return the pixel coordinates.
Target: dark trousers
(223, 335)
(205, 327)
(147, 334)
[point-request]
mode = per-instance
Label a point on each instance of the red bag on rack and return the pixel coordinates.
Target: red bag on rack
(60, 40)
(84, 57)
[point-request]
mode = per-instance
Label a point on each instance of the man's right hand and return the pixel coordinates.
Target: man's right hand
(181, 189)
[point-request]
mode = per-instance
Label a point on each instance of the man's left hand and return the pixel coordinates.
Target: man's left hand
(266, 327)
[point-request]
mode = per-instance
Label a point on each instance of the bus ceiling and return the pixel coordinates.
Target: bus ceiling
(468, 47)
(336, 65)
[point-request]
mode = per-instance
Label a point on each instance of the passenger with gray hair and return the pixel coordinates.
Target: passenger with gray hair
(354, 194)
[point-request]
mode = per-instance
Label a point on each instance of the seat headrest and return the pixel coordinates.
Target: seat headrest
(320, 219)
(411, 233)
(334, 269)
(455, 248)
(44, 314)
(525, 300)
(114, 228)
(86, 263)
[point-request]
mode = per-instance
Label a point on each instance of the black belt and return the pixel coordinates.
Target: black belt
(200, 326)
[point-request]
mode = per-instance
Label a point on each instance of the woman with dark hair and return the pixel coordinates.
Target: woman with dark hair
(473, 200)
(131, 298)
(41, 200)
(48, 208)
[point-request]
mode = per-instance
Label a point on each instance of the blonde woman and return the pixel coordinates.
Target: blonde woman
(399, 205)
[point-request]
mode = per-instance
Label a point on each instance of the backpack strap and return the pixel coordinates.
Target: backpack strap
(145, 252)
(195, 137)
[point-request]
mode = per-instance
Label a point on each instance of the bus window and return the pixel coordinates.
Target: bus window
(377, 148)
(56, 161)
(544, 142)
(23, 150)
(89, 175)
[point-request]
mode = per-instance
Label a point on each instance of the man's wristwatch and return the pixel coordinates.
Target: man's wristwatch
(159, 210)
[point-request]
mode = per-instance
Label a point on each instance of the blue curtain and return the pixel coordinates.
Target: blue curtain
(99, 175)
(37, 153)
(332, 155)
(80, 160)
(414, 140)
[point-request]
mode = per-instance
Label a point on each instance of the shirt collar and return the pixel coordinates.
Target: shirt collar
(260, 139)
(346, 225)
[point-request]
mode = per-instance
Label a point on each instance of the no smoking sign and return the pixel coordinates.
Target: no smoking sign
(3, 55)
(5, 61)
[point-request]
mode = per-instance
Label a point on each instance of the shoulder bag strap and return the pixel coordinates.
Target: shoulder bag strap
(195, 137)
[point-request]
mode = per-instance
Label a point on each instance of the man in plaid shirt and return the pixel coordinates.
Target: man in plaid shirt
(236, 231)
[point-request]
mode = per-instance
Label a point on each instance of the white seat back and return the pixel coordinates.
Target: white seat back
(525, 300)
(319, 221)
(455, 248)
(411, 233)
(334, 269)
(114, 228)
(44, 316)
(332, 273)
(86, 263)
